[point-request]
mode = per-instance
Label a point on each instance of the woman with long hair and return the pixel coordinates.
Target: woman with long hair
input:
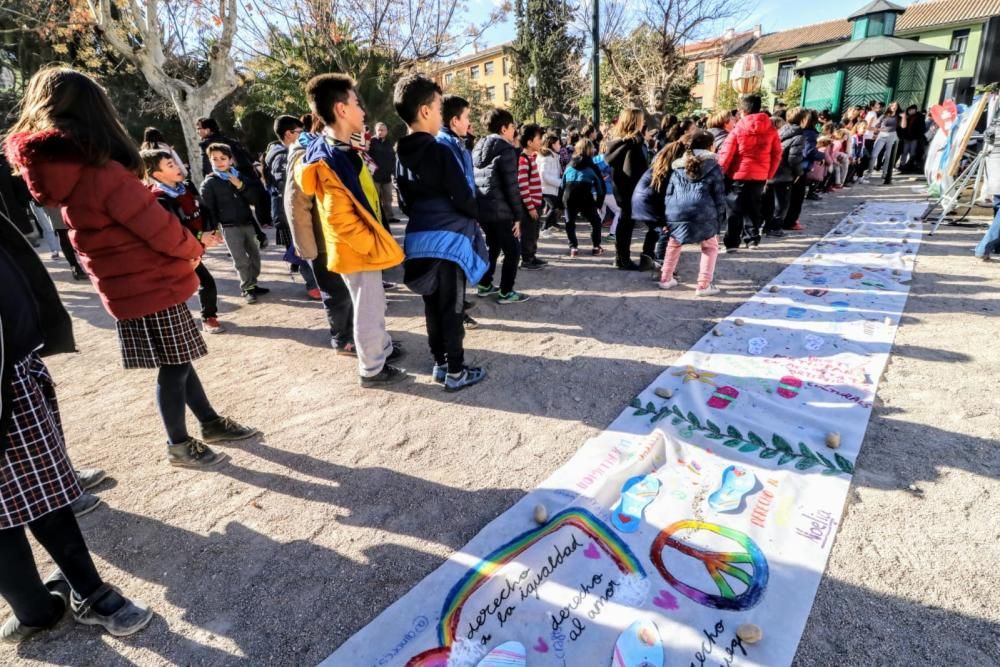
(628, 159)
(74, 152)
(152, 140)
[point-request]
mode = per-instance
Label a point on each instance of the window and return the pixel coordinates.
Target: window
(488, 68)
(860, 29)
(699, 72)
(448, 78)
(491, 93)
(786, 71)
(505, 66)
(506, 92)
(474, 72)
(947, 90)
(875, 25)
(698, 102)
(959, 41)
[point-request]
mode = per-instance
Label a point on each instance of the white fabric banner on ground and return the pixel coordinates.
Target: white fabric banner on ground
(710, 503)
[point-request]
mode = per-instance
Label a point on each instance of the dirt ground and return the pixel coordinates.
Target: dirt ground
(352, 495)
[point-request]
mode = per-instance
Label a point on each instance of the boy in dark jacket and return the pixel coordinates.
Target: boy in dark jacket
(500, 207)
(583, 188)
(166, 181)
(227, 200)
(443, 244)
(210, 134)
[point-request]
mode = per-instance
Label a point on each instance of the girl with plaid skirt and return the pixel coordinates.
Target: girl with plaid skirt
(37, 481)
(72, 150)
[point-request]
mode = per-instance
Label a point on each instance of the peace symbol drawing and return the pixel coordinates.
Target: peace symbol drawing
(745, 567)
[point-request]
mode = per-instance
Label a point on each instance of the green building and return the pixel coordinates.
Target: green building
(921, 54)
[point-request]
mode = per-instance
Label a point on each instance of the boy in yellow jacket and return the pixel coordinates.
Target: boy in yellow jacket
(358, 247)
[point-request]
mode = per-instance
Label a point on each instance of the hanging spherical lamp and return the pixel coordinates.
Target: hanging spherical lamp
(747, 74)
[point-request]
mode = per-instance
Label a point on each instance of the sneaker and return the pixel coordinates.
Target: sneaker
(670, 284)
(15, 632)
(710, 290)
(574, 252)
(547, 233)
(388, 375)
(610, 237)
(250, 297)
(512, 297)
(210, 325)
(774, 232)
(812, 196)
(397, 352)
(631, 266)
(345, 350)
(467, 305)
(85, 504)
(128, 619)
(797, 227)
(754, 243)
(732, 251)
(314, 294)
(528, 265)
(538, 262)
(488, 290)
(90, 477)
(469, 323)
(54, 254)
(260, 291)
(388, 285)
(79, 274)
(646, 263)
(439, 373)
(192, 454)
(468, 377)
(224, 429)
(598, 250)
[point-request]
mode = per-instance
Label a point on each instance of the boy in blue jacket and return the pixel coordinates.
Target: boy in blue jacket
(443, 245)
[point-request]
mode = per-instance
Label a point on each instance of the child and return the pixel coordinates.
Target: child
(37, 484)
(695, 207)
(609, 203)
(648, 200)
(529, 182)
(551, 174)
(500, 206)
(444, 246)
(74, 152)
(227, 202)
(358, 246)
(583, 188)
(166, 182)
(454, 134)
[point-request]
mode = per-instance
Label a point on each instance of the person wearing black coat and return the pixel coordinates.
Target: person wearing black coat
(494, 160)
(15, 199)
(381, 151)
(911, 134)
(627, 157)
(210, 134)
(789, 172)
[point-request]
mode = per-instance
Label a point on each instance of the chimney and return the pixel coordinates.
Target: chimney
(730, 33)
(757, 31)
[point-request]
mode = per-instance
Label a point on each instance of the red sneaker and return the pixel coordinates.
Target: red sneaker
(314, 294)
(797, 227)
(211, 325)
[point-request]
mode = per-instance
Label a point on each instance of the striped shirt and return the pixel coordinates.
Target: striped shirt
(529, 181)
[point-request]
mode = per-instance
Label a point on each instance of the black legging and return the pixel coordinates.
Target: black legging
(623, 232)
(796, 196)
(178, 385)
(21, 586)
(67, 248)
(588, 210)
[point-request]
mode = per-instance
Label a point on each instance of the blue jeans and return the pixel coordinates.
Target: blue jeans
(990, 244)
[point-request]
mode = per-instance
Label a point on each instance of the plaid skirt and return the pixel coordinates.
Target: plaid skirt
(36, 476)
(169, 337)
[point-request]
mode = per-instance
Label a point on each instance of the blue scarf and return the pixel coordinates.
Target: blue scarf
(306, 138)
(173, 193)
(224, 175)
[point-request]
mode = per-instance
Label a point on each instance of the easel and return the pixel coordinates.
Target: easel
(975, 171)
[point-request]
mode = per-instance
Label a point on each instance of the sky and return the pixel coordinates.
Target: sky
(772, 15)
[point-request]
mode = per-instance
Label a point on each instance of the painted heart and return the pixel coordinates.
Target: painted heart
(665, 600)
(591, 551)
(541, 646)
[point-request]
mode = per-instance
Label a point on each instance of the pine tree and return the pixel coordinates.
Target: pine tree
(545, 48)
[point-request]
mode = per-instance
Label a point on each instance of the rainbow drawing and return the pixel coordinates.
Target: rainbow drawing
(579, 518)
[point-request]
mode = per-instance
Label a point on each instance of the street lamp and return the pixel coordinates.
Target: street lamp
(532, 85)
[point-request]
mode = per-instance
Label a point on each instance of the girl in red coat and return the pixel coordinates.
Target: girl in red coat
(73, 152)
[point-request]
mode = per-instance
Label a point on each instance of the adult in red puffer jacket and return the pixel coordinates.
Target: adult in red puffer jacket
(139, 257)
(749, 157)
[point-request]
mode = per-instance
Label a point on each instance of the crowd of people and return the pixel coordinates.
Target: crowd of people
(127, 217)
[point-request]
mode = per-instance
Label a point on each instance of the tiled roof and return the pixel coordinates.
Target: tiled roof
(919, 16)
(709, 46)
